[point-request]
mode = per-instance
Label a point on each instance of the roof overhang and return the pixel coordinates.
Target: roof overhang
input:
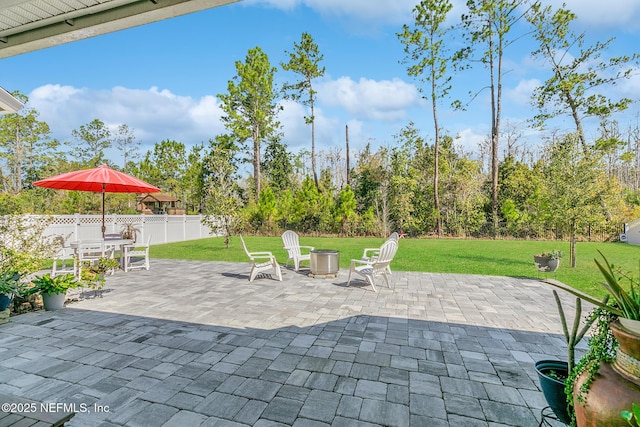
(8, 104)
(28, 25)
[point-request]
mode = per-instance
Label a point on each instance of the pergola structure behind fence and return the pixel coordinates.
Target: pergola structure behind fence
(162, 228)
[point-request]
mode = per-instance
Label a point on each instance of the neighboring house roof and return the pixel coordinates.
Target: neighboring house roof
(28, 25)
(159, 198)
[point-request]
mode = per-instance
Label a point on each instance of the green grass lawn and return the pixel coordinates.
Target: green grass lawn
(491, 257)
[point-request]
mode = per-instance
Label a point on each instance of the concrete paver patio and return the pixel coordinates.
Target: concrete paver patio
(193, 343)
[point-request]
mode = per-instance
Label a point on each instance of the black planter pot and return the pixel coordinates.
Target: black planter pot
(553, 389)
(4, 302)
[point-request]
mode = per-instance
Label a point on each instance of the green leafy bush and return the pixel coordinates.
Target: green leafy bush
(48, 285)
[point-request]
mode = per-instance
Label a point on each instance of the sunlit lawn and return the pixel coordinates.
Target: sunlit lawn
(489, 257)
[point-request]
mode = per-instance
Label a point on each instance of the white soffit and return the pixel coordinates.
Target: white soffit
(8, 104)
(28, 25)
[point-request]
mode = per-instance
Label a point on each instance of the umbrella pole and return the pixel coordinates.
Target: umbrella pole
(104, 227)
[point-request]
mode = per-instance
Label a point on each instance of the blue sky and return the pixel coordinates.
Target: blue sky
(162, 79)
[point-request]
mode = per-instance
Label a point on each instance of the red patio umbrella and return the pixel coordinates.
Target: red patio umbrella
(102, 179)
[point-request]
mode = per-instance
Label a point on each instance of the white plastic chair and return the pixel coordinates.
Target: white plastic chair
(258, 266)
(293, 248)
(65, 253)
(371, 254)
(90, 252)
(371, 269)
(141, 251)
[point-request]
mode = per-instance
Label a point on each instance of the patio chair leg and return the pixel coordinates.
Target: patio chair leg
(370, 280)
(386, 279)
(253, 274)
(349, 279)
(276, 267)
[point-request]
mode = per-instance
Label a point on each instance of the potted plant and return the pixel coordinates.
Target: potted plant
(92, 274)
(129, 231)
(548, 261)
(553, 374)
(54, 289)
(9, 286)
(606, 381)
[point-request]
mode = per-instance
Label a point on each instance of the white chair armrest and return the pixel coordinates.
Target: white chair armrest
(359, 261)
(374, 250)
(260, 254)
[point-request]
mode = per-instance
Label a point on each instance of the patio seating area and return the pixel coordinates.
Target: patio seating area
(195, 343)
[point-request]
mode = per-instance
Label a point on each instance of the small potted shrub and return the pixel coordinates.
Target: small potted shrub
(9, 286)
(54, 289)
(548, 261)
(92, 274)
(129, 231)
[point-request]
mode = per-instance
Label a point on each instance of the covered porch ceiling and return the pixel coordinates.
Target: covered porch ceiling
(28, 25)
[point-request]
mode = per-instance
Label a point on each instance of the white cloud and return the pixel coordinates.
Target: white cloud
(521, 94)
(370, 99)
(598, 13)
(390, 11)
(152, 114)
(469, 141)
(630, 88)
(297, 134)
(379, 11)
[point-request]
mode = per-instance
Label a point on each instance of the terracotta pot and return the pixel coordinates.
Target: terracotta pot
(632, 325)
(615, 387)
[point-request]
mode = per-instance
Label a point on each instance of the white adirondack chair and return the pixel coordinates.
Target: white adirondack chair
(258, 266)
(90, 252)
(371, 254)
(293, 248)
(379, 267)
(137, 251)
(64, 254)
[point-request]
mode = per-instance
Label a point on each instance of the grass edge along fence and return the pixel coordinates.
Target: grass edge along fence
(512, 258)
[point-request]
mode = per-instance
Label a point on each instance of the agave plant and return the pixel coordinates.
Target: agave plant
(625, 304)
(628, 303)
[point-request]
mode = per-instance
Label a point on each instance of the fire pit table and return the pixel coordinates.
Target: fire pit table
(324, 262)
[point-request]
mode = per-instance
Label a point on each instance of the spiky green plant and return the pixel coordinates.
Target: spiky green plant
(628, 303)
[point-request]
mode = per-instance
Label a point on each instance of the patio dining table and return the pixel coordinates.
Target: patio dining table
(117, 244)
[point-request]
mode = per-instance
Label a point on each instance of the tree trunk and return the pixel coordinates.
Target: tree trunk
(572, 250)
(346, 131)
(313, 146)
(495, 125)
(436, 157)
(256, 160)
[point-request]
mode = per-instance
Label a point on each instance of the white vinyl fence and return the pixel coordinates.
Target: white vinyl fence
(161, 228)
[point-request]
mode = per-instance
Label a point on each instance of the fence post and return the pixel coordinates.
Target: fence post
(166, 228)
(76, 226)
(142, 223)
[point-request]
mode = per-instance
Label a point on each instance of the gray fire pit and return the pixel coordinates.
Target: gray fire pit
(325, 262)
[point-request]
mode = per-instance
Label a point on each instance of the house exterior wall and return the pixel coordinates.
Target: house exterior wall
(632, 231)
